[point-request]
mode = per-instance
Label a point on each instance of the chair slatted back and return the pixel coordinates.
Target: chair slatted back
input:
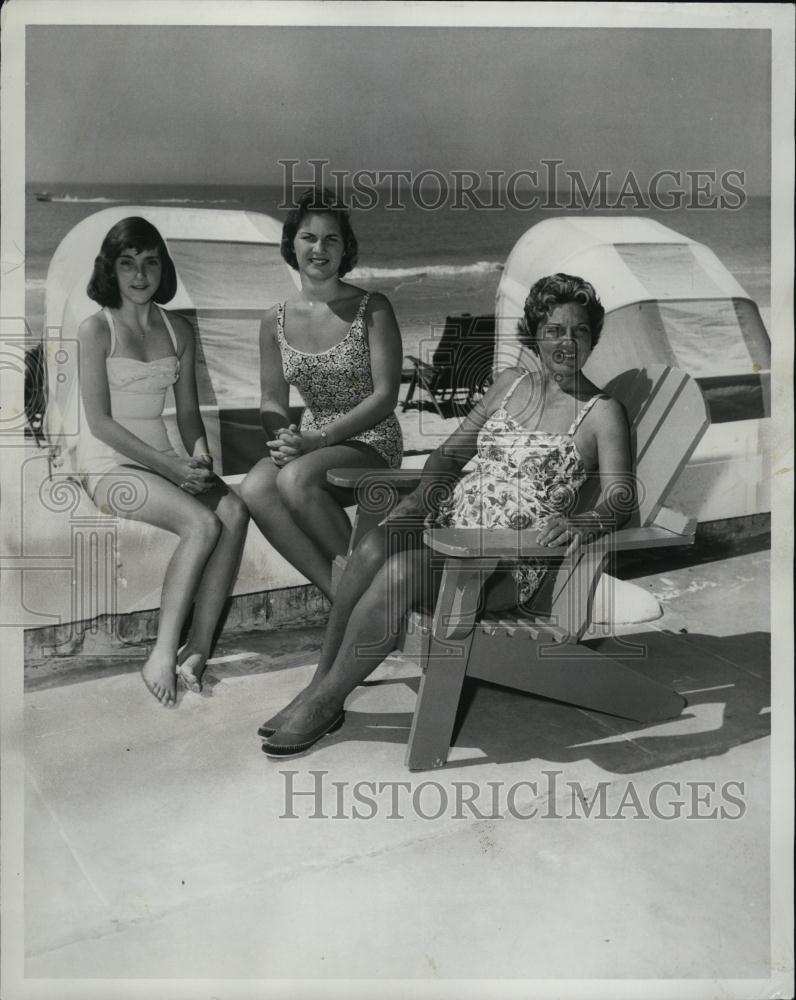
(667, 416)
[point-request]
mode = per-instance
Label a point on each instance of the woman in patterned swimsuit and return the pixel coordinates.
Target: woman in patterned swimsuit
(537, 435)
(341, 348)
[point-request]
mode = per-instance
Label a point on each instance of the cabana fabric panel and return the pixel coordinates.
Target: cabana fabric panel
(633, 263)
(668, 300)
(80, 563)
(229, 272)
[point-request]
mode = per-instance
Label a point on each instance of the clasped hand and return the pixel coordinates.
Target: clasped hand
(195, 475)
(290, 443)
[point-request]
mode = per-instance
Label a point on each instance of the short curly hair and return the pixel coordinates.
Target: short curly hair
(320, 201)
(133, 233)
(556, 290)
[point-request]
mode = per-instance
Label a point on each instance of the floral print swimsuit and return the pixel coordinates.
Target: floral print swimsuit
(521, 478)
(333, 382)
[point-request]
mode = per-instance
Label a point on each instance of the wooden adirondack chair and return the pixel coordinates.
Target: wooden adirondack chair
(542, 652)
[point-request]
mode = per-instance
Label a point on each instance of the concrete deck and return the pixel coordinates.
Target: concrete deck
(159, 845)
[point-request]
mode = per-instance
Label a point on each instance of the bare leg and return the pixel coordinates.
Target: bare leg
(214, 589)
(160, 503)
(297, 511)
(313, 503)
(275, 521)
(363, 565)
(366, 623)
(370, 635)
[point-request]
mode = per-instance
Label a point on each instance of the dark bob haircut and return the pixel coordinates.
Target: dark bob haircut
(319, 201)
(557, 290)
(129, 234)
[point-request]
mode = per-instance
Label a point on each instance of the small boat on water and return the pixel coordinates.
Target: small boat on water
(43, 196)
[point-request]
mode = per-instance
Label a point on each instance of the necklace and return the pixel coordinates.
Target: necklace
(139, 334)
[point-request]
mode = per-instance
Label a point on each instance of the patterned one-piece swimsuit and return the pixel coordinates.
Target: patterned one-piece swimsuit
(521, 479)
(333, 382)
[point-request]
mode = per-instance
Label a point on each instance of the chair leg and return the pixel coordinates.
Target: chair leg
(409, 392)
(428, 387)
(437, 702)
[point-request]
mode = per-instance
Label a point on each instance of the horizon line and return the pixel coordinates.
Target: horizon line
(384, 185)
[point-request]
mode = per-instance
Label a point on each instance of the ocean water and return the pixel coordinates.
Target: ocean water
(430, 264)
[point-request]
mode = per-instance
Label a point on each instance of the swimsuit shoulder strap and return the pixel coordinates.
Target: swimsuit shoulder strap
(280, 322)
(357, 324)
(513, 386)
(112, 327)
(580, 417)
(170, 328)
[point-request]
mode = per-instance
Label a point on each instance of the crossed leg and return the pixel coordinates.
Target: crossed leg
(142, 495)
(211, 595)
(388, 574)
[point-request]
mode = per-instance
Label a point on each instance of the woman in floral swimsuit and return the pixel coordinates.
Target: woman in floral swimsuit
(341, 347)
(537, 435)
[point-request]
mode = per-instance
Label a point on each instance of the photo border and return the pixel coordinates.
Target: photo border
(775, 17)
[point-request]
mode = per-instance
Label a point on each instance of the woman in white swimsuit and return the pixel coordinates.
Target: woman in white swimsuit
(131, 352)
(537, 436)
(341, 348)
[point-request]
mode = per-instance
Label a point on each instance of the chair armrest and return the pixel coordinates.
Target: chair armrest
(651, 537)
(508, 544)
(500, 543)
(401, 479)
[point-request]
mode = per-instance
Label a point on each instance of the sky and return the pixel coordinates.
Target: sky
(225, 104)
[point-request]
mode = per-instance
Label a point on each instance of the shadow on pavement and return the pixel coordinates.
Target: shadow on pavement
(725, 679)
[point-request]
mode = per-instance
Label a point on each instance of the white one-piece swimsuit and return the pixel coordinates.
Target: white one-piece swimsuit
(138, 396)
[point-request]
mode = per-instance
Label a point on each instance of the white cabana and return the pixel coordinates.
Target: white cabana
(668, 300)
(229, 271)
(79, 563)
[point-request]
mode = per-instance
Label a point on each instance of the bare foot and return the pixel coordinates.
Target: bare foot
(191, 667)
(159, 673)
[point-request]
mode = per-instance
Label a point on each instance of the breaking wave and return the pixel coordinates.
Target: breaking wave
(77, 199)
(193, 201)
(440, 270)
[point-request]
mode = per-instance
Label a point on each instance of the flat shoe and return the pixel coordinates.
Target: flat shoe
(270, 726)
(296, 743)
